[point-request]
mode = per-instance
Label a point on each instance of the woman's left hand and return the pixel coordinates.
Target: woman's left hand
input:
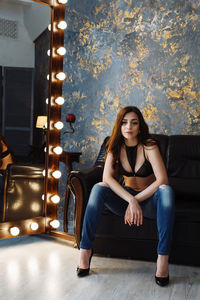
(133, 214)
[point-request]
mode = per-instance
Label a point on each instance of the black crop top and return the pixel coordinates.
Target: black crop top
(144, 171)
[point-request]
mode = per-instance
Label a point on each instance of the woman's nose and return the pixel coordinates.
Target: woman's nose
(128, 124)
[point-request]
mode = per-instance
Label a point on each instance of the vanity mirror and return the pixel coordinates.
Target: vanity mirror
(51, 65)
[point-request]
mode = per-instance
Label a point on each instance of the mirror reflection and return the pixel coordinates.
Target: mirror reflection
(24, 66)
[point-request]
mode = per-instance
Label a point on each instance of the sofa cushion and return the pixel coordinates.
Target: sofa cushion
(184, 156)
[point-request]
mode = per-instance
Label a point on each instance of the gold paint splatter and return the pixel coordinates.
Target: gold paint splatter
(150, 113)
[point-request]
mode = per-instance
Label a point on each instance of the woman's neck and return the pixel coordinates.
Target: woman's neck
(131, 142)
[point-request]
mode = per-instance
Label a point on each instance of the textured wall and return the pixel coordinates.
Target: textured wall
(125, 52)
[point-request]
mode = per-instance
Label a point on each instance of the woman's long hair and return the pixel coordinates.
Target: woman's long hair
(116, 139)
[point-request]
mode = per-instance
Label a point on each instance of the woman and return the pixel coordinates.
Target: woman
(133, 154)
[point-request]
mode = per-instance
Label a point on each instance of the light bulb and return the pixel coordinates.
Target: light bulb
(57, 174)
(58, 150)
(45, 149)
(60, 100)
(49, 27)
(47, 100)
(49, 52)
(34, 226)
(62, 25)
(55, 223)
(48, 77)
(44, 173)
(55, 199)
(62, 1)
(45, 125)
(43, 197)
(61, 51)
(14, 231)
(59, 125)
(61, 76)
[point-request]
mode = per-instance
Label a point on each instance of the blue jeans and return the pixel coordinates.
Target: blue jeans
(159, 206)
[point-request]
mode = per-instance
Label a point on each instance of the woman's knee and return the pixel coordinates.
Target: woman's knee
(98, 189)
(166, 195)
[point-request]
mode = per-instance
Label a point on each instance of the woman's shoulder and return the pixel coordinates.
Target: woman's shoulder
(151, 144)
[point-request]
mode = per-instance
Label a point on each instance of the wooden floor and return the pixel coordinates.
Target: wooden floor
(34, 268)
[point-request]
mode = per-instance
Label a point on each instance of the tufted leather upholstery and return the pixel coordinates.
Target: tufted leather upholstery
(24, 186)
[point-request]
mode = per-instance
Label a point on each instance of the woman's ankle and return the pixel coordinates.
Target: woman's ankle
(84, 258)
(162, 266)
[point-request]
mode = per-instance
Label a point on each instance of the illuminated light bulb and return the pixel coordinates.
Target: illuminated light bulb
(61, 76)
(49, 27)
(61, 51)
(55, 199)
(62, 1)
(14, 231)
(46, 124)
(45, 149)
(43, 197)
(49, 52)
(59, 125)
(55, 223)
(34, 226)
(58, 150)
(44, 173)
(48, 77)
(47, 100)
(60, 100)
(57, 174)
(62, 25)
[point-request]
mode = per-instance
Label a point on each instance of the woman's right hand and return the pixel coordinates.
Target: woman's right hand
(133, 214)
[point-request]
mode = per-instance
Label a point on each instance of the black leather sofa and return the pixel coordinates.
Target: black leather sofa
(181, 154)
(23, 190)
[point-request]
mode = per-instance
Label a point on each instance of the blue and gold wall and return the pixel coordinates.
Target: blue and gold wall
(123, 52)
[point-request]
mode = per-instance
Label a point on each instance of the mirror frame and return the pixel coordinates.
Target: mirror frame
(53, 135)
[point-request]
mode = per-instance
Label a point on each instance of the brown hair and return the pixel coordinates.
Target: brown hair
(116, 139)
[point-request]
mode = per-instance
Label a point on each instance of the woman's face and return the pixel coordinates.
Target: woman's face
(130, 126)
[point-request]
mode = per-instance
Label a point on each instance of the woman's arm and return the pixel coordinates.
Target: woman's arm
(155, 158)
(109, 179)
(133, 213)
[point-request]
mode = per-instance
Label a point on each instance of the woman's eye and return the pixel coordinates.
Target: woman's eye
(124, 122)
(134, 123)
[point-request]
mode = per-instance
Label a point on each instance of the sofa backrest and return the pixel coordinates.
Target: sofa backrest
(163, 145)
(184, 156)
(161, 138)
(181, 154)
(102, 153)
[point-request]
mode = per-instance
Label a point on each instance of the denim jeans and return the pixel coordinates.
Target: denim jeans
(159, 206)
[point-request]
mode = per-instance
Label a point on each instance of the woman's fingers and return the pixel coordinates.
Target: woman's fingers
(132, 217)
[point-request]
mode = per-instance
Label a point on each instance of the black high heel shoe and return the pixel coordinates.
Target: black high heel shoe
(162, 281)
(84, 272)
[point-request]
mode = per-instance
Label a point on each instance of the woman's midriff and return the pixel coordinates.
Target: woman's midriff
(139, 183)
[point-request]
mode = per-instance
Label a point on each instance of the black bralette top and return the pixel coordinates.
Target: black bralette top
(144, 171)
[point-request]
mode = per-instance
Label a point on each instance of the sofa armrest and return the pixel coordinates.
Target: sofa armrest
(81, 183)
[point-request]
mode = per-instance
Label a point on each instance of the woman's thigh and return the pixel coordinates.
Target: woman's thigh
(113, 202)
(116, 204)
